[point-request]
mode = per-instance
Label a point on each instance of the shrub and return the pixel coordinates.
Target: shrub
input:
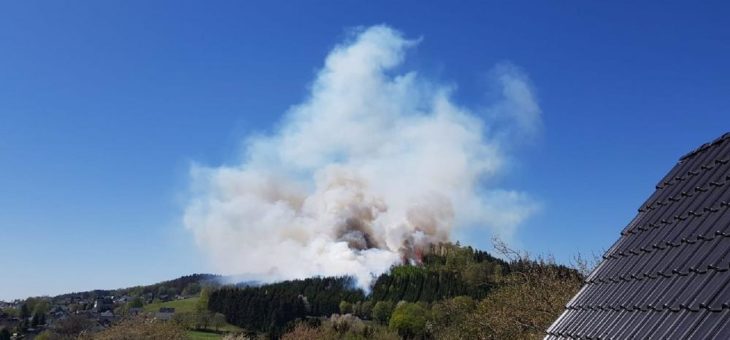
(409, 320)
(141, 328)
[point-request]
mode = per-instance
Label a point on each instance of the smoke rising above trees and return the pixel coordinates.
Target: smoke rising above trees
(376, 163)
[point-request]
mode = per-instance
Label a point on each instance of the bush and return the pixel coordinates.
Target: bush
(366, 310)
(140, 328)
(448, 317)
(73, 326)
(527, 304)
(382, 311)
(49, 335)
(345, 307)
(346, 327)
(409, 320)
(305, 332)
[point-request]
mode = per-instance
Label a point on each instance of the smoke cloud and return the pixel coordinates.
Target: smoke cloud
(372, 165)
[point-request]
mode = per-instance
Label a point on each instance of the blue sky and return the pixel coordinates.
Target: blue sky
(104, 106)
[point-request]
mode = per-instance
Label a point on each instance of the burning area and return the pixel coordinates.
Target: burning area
(373, 166)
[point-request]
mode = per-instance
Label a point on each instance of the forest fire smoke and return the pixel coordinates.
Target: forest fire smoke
(373, 166)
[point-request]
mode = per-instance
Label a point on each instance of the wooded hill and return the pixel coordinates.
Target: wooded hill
(446, 271)
(453, 292)
(185, 285)
(270, 308)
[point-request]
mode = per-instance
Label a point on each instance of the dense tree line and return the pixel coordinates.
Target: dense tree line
(446, 270)
(450, 292)
(521, 306)
(184, 285)
(271, 308)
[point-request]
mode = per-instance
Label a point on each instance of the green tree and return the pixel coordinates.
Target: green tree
(136, 302)
(529, 298)
(202, 304)
(409, 320)
(449, 317)
(38, 305)
(345, 307)
(218, 321)
(164, 290)
(366, 310)
(526, 304)
(39, 318)
(24, 312)
(73, 325)
(382, 311)
(184, 319)
(203, 319)
(136, 291)
(191, 289)
(4, 334)
(9, 311)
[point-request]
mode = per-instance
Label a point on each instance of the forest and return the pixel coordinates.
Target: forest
(453, 292)
(449, 292)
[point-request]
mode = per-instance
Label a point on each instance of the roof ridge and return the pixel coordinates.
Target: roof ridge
(705, 146)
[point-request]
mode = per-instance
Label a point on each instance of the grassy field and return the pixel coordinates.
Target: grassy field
(186, 305)
(198, 335)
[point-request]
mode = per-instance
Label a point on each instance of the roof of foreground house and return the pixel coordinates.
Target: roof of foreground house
(667, 275)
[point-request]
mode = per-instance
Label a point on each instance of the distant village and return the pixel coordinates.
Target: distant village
(95, 310)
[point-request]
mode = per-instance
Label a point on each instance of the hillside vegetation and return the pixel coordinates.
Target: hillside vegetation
(454, 293)
(181, 306)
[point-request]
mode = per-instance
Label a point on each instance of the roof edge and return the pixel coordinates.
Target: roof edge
(704, 147)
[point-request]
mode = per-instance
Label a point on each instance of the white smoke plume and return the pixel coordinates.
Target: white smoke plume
(374, 164)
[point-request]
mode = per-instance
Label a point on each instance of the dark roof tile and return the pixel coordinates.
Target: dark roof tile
(668, 275)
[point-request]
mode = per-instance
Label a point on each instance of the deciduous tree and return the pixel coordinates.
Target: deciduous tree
(409, 320)
(345, 307)
(382, 311)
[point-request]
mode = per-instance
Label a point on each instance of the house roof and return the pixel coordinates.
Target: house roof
(667, 275)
